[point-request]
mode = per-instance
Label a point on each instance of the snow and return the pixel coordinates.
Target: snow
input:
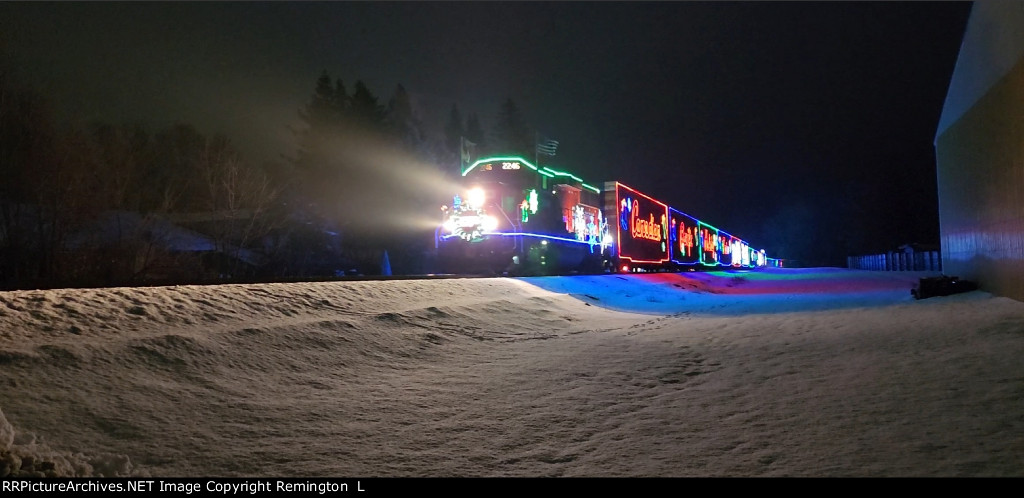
(775, 372)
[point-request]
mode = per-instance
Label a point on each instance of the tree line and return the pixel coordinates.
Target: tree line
(116, 204)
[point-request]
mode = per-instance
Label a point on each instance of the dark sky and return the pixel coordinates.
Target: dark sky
(803, 127)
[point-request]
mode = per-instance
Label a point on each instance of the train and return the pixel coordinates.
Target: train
(517, 218)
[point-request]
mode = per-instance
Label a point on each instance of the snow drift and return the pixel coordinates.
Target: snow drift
(818, 372)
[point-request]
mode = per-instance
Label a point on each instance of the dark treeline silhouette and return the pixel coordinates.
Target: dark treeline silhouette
(106, 204)
(368, 172)
(110, 204)
(359, 179)
(510, 135)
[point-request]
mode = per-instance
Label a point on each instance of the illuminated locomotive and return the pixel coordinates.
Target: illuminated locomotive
(517, 218)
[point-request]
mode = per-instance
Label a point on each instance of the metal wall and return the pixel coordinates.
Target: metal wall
(980, 161)
(897, 261)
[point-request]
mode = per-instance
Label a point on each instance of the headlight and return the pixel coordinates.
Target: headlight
(476, 197)
(449, 225)
(489, 223)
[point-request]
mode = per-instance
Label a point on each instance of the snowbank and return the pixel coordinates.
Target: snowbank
(818, 372)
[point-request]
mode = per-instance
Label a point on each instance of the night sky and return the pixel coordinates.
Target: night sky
(805, 128)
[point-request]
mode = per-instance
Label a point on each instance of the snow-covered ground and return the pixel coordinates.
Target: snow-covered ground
(780, 372)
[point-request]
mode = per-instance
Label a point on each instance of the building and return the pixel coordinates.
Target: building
(979, 150)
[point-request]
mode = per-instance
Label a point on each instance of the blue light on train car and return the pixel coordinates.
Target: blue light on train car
(513, 199)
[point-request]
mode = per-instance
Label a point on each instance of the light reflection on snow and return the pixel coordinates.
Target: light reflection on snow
(738, 292)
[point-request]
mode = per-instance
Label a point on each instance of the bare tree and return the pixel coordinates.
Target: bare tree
(237, 202)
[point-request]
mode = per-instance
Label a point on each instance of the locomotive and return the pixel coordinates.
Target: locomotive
(517, 218)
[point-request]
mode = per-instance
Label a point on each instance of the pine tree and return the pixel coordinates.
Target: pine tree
(402, 122)
(340, 101)
(364, 111)
(454, 132)
(475, 132)
(511, 133)
(318, 163)
(323, 107)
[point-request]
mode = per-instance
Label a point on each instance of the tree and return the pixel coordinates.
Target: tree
(402, 121)
(475, 133)
(317, 162)
(511, 133)
(454, 134)
(238, 200)
(342, 183)
(118, 156)
(28, 139)
(169, 177)
(454, 131)
(364, 111)
(327, 105)
(92, 204)
(110, 247)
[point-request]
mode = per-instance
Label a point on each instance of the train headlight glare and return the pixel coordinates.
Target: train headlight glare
(476, 197)
(489, 223)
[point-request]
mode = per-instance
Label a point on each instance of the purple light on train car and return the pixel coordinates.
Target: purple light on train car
(683, 238)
